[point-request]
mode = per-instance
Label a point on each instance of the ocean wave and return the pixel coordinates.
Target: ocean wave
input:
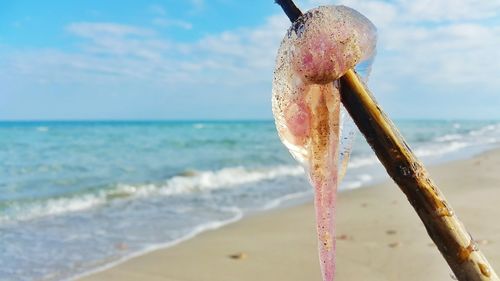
(198, 126)
(226, 177)
(42, 129)
(445, 144)
(440, 149)
(358, 182)
(17, 211)
(278, 201)
(449, 137)
(485, 130)
(191, 181)
(186, 183)
(448, 143)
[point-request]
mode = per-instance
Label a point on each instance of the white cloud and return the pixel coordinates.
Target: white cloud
(92, 29)
(458, 47)
(196, 6)
(249, 52)
(421, 10)
(162, 20)
(114, 52)
(440, 50)
(119, 40)
(449, 10)
(157, 9)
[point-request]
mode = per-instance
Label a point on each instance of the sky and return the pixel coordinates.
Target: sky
(214, 59)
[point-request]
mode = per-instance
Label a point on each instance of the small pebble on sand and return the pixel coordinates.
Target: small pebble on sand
(238, 256)
(395, 245)
(343, 237)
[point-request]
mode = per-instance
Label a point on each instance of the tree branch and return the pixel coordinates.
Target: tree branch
(442, 224)
(290, 9)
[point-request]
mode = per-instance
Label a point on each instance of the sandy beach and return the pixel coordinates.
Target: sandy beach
(379, 236)
(158, 140)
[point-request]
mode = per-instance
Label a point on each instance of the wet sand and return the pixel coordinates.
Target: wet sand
(379, 237)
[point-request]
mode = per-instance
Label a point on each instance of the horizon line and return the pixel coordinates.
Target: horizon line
(220, 120)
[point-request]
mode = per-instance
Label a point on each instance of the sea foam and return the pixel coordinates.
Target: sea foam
(186, 183)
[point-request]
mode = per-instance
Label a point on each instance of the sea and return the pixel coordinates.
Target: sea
(80, 196)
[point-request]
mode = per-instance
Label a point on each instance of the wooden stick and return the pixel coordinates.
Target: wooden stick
(443, 226)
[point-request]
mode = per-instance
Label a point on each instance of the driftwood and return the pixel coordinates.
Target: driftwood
(442, 224)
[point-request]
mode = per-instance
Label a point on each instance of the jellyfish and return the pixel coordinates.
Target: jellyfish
(319, 47)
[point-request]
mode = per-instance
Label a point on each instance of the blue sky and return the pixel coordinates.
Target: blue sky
(213, 59)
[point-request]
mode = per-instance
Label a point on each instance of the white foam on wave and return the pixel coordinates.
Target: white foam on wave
(225, 178)
(450, 137)
(184, 184)
(21, 212)
(486, 130)
(440, 149)
(199, 181)
(42, 129)
(449, 143)
(445, 144)
(198, 126)
(361, 180)
(209, 180)
(279, 201)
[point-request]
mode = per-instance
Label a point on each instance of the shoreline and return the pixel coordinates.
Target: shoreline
(356, 249)
(212, 226)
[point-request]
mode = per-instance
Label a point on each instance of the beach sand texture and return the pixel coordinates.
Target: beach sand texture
(379, 237)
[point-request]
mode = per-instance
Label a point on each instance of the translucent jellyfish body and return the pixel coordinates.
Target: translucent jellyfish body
(318, 49)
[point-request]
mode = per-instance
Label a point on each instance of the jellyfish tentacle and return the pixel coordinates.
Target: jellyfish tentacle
(323, 44)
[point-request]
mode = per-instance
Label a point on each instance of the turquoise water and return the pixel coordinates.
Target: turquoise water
(77, 196)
